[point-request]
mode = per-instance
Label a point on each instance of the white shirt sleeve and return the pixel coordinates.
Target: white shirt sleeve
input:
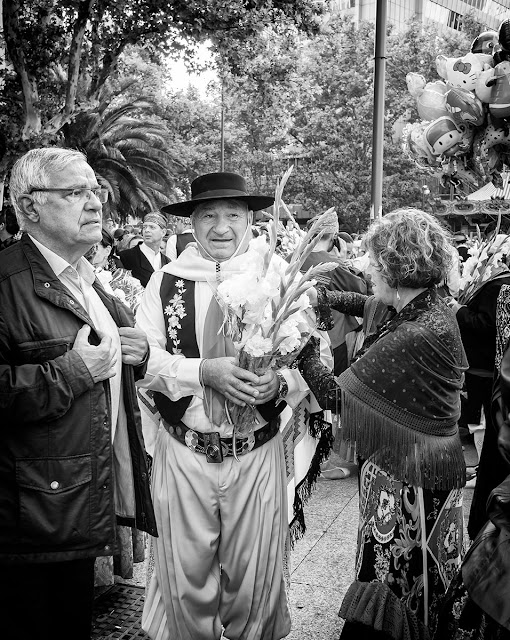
(171, 247)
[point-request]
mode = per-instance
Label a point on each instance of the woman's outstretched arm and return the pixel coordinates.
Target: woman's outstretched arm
(319, 378)
(348, 302)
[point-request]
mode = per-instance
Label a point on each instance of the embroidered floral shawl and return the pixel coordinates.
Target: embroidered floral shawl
(400, 400)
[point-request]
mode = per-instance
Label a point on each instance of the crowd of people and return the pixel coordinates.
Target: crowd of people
(101, 323)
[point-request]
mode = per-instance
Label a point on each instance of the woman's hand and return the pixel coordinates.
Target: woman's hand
(312, 294)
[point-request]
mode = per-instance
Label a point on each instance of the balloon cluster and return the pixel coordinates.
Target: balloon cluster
(464, 134)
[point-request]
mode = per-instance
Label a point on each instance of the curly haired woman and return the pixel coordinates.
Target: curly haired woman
(400, 402)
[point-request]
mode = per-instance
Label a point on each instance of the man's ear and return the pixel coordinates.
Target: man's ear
(26, 203)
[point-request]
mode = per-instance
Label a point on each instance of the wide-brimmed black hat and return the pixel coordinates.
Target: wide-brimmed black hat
(218, 186)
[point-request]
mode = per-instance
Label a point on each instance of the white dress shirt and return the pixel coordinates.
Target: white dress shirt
(153, 257)
(79, 282)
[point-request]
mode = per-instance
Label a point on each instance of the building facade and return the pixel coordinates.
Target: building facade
(446, 13)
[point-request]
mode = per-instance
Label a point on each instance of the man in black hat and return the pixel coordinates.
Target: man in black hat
(219, 561)
(147, 257)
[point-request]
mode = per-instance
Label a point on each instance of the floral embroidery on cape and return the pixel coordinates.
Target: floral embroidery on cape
(176, 312)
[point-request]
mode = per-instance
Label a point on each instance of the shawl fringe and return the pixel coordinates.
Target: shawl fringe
(375, 606)
(320, 429)
(419, 451)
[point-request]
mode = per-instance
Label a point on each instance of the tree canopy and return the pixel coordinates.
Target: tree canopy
(294, 87)
(60, 53)
(311, 104)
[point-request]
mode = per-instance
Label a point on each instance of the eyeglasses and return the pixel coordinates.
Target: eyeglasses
(75, 195)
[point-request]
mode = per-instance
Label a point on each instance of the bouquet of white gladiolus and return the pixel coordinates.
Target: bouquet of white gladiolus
(486, 262)
(266, 309)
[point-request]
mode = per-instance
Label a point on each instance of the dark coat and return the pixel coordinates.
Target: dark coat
(134, 260)
(477, 323)
(56, 475)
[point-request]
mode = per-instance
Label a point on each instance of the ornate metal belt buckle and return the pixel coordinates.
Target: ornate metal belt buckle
(191, 439)
(212, 447)
(246, 444)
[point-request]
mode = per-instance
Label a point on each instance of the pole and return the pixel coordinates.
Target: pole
(378, 127)
(222, 144)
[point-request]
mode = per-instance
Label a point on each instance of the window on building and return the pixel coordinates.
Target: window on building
(455, 20)
(476, 4)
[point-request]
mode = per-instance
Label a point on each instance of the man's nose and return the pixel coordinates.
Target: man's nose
(221, 227)
(93, 202)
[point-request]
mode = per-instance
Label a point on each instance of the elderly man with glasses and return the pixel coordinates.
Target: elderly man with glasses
(71, 448)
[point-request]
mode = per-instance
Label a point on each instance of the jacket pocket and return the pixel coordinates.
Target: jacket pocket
(54, 500)
(41, 351)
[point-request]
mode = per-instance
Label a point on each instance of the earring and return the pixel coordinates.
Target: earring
(398, 296)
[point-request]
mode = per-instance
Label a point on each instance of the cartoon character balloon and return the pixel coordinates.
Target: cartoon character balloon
(444, 137)
(430, 96)
(464, 106)
(460, 72)
(484, 46)
(464, 135)
(499, 105)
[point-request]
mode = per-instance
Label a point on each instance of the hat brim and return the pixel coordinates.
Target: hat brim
(185, 209)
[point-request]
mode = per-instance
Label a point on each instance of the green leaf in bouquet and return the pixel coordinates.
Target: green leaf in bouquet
(273, 225)
(296, 263)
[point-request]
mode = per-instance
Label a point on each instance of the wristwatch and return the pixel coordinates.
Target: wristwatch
(283, 387)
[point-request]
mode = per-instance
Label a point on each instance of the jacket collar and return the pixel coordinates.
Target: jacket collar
(46, 283)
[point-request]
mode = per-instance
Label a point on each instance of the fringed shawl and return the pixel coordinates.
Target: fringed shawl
(400, 401)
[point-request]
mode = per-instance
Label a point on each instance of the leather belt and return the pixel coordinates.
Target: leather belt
(216, 448)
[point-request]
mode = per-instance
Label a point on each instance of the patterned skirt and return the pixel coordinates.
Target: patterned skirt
(409, 550)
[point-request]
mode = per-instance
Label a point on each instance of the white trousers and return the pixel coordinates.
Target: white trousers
(233, 515)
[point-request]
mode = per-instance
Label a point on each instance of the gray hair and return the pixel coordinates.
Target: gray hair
(411, 247)
(34, 170)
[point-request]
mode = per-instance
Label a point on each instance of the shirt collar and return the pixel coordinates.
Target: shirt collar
(84, 269)
(147, 250)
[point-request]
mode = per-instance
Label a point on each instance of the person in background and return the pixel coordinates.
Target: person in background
(101, 252)
(460, 239)
(339, 279)
(123, 243)
(134, 241)
(399, 403)
(118, 236)
(477, 323)
(109, 224)
(178, 241)
(8, 227)
(145, 258)
(71, 448)
(477, 605)
(345, 245)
